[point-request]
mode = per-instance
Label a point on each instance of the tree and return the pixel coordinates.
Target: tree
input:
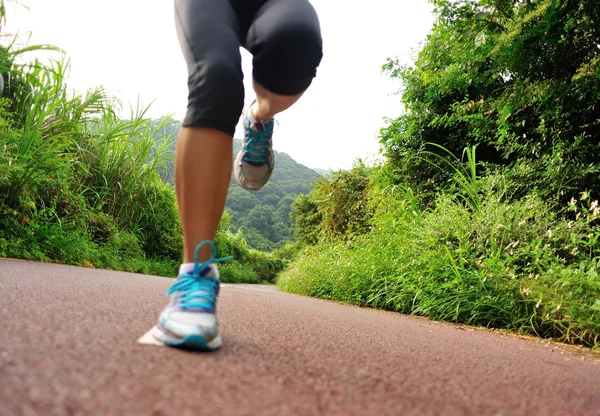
(306, 217)
(519, 79)
(338, 207)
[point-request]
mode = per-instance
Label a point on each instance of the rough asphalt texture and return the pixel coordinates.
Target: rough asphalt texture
(68, 347)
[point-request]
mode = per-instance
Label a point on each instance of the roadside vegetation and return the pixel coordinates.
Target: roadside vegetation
(79, 183)
(485, 210)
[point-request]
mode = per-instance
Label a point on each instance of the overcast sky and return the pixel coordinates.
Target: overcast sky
(130, 48)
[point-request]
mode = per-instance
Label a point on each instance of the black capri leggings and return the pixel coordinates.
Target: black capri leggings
(283, 36)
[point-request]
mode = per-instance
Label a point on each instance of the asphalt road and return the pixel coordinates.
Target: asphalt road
(69, 347)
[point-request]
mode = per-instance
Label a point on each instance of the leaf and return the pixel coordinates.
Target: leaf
(481, 39)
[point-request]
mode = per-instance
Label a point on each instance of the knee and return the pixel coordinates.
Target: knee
(298, 43)
(218, 78)
(288, 58)
(216, 94)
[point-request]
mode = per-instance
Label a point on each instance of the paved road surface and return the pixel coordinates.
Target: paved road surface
(68, 347)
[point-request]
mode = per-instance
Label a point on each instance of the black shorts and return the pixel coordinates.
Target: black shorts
(284, 37)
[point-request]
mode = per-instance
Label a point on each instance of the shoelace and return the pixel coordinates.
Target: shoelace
(198, 291)
(258, 143)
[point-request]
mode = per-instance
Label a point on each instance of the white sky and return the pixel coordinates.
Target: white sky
(130, 48)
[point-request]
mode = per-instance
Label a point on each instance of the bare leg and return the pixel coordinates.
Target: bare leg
(202, 174)
(203, 171)
(269, 104)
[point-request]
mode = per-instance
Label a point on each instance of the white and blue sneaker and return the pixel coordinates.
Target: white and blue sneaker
(190, 319)
(255, 161)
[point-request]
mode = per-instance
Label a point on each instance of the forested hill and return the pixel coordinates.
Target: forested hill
(263, 216)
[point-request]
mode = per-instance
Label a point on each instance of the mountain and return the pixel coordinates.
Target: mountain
(263, 216)
(323, 172)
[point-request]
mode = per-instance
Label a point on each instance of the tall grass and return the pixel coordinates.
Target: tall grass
(77, 183)
(474, 256)
(116, 157)
(464, 174)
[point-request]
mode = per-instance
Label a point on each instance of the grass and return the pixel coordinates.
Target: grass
(79, 184)
(484, 260)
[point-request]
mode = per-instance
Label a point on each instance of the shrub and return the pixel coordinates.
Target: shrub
(510, 264)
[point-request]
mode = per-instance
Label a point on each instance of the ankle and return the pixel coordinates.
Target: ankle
(258, 114)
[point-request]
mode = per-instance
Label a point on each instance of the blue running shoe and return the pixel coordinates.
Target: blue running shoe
(190, 320)
(255, 161)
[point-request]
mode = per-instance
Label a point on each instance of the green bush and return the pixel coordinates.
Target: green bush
(519, 79)
(518, 84)
(158, 226)
(100, 227)
(236, 272)
(510, 264)
(77, 184)
(492, 242)
(248, 265)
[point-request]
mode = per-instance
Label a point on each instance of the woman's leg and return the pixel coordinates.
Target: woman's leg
(202, 175)
(209, 38)
(208, 32)
(285, 41)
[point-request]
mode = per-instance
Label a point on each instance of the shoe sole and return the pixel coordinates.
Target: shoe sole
(194, 342)
(242, 181)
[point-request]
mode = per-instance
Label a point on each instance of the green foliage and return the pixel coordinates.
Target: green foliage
(465, 177)
(248, 265)
(483, 237)
(118, 162)
(157, 221)
(470, 220)
(519, 79)
(343, 202)
(337, 207)
(288, 252)
(263, 216)
(78, 185)
(510, 265)
(307, 219)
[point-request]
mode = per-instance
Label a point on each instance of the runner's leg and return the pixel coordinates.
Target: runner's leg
(208, 32)
(285, 41)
